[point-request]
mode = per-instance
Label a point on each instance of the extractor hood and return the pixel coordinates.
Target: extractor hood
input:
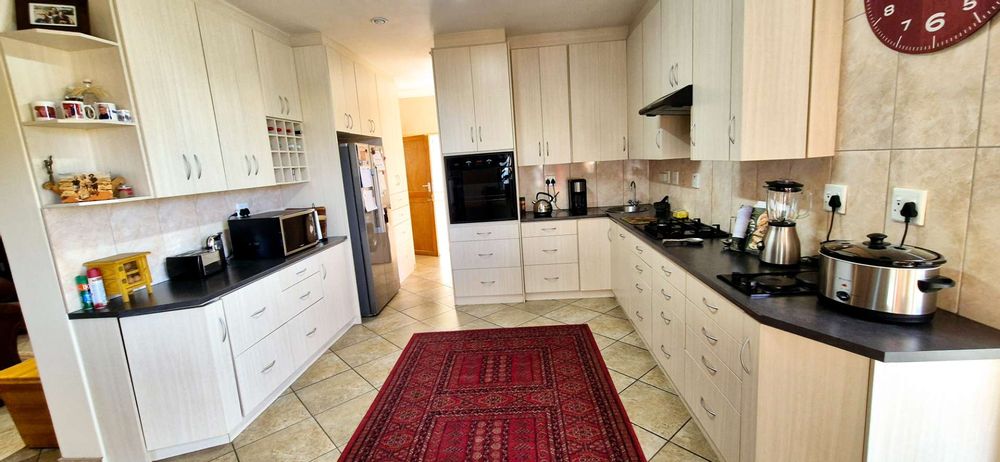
(676, 103)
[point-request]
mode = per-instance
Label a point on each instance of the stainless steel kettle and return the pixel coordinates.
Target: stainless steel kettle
(543, 204)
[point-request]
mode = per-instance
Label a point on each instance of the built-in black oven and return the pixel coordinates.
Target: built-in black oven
(481, 187)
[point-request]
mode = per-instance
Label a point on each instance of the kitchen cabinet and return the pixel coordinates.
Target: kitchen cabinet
(541, 105)
(635, 96)
(598, 98)
(345, 92)
(473, 93)
(676, 28)
(237, 99)
(368, 102)
(486, 262)
(279, 81)
(594, 236)
(163, 49)
(652, 79)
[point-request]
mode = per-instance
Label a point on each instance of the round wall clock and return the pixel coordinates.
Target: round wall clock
(923, 26)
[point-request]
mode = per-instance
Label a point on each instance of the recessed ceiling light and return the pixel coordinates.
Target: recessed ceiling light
(379, 20)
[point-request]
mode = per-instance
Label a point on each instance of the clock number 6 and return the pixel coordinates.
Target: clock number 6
(935, 22)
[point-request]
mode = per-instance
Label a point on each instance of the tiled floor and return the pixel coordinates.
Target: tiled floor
(318, 415)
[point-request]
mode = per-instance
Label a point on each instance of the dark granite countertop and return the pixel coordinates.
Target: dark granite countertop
(948, 337)
(562, 214)
(179, 294)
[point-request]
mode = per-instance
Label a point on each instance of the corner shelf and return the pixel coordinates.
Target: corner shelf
(67, 41)
(79, 124)
(90, 203)
(288, 153)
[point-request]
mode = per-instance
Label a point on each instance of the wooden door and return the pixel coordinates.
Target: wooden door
(278, 77)
(491, 93)
(456, 110)
(633, 52)
(418, 177)
(527, 106)
(553, 62)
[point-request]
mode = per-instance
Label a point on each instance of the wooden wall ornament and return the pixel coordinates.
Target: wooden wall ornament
(925, 26)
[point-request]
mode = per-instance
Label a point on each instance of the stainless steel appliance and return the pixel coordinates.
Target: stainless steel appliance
(481, 187)
(895, 282)
(196, 264)
(682, 228)
(367, 195)
(781, 243)
(276, 234)
(577, 196)
(543, 204)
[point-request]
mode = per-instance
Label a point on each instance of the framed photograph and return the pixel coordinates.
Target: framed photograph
(65, 15)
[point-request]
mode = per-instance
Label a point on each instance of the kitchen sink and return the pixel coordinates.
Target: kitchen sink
(640, 208)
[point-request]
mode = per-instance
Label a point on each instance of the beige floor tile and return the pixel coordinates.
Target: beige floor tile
(427, 309)
(205, 455)
(653, 409)
(366, 351)
(634, 340)
(658, 379)
(405, 299)
(510, 317)
(627, 359)
(610, 326)
(617, 312)
(23, 455)
(328, 365)
(388, 319)
(341, 421)
(451, 320)
(333, 391)
(621, 381)
(304, 441)
(356, 334)
(481, 311)
(649, 442)
(673, 453)
(572, 314)
(597, 304)
(400, 337)
(542, 321)
(603, 342)
(53, 455)
(540, 307)
(480, 324)
(283, 413)
(331, 456)
(691, 438)
(378, 370)
(287, 391)
(438, 291)
(417, 284)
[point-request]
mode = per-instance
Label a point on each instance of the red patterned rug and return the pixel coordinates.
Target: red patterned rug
(525, 394)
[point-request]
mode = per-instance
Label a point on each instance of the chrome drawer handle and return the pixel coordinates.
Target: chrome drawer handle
(301, 272)
(638, 268)
(552, 279)
(312, 332)
(712, 340)
(665, 319)
(711, 370)
(745, 346)
(487, 283)
(638, 288)
(484, 255)
(639, 316)
(487, 233)
(268, 368)
(664, 351)
(620, 235)
(549, 229)
(305, 295)
(711, 307)
(550, 250)
(664, 294)
(225, 330)
(709, 411)
(258, 313)
(666, 271)
(638, 249)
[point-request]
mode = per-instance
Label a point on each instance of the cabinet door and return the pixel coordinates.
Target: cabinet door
(278, 77)
(598, 101)
(491, 93)
(710, 113)
(453, 90)
(236, 97)
(182, 373)
(554, 78)
(524, 66)
(633, 53)
(594, 236)
(652, 80)
(367, 101)
(677, 47)
(345, 91)
(339, 290)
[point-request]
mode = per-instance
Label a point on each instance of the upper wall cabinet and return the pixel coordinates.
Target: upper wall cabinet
(474, 98)
(367, 101)
(278, 77)
(355, 96)
(236, 96)
(676, 31)
(636, 100)
(765, 84)
(163, 49)
(541, 105)
(598, 98)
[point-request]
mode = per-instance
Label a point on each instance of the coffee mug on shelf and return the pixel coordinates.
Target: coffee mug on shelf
(73, 109)
(43, 110)
(124, 115)
(106, 111)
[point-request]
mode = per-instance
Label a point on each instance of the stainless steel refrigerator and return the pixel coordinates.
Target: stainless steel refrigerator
(367, 195)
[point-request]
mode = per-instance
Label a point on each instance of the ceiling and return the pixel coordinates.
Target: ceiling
(401, 47)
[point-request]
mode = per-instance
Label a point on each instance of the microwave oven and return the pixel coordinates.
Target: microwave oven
(276, 234)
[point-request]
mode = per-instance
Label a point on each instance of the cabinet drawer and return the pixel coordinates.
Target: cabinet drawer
(639, 271)
(552, 278)
(252, 313)
(550, 250)
(667, 269)
(640, 309)
(300, 296)
(548, 228)
(502, 253)
(483, 231)
(298, 272)
(720, 374)
(399, 215)
(488, 282)
(712, 336)
(668, 342)
(263, 367)
(667, 297)
(720, 421)
(720, 310)
(310, 330)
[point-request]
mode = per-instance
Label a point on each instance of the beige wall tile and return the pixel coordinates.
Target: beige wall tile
(867, 89)
(770, 170)
(745, 187)
(721, 181)
(561, 172)
(979, 290)
(946, 174)
(610, 190)
(990, 124)
(529, 181)
(586, 171)
(814, 174)
(637, 171)
(866, 175)
(939, 95)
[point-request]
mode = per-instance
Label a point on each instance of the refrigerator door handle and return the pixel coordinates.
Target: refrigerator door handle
(385, 214)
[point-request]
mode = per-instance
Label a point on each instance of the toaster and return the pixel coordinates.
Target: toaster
(196, 264)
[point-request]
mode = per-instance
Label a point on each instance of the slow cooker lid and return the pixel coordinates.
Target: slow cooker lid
(878, 252)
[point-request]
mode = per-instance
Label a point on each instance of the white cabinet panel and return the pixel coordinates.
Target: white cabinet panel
(310, 331)
(296, 298)
(676, 28)
(345, 93)
(652, 56)
(526, 74)
(552, 278)
(339, 289)
(594, 237)
(486, 254)
(278, 77)
(550, 250)
(252, 313)
(483, 231)
(598, 98)
(717, 417)
(487, 282)
(297, 272)
(455, 100)
(712, 70)
(548, 228)
(554, 79)
(370, 118)
(491, 90)
(635, 96)
(262, 368)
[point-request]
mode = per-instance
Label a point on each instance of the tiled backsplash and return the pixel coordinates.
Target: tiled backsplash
(163, 227)
(607, 182)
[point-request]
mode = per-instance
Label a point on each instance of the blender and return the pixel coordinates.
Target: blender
(781, 243)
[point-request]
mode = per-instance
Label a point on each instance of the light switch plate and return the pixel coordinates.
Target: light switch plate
(677, 177)
(831, 190)
(550, 177)
(241, 206)
(901, 196)
(696, 180)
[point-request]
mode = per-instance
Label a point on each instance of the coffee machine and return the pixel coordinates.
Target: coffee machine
(781, 243)
(577, 196)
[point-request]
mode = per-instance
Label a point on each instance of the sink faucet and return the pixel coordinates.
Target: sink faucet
(631, 188)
